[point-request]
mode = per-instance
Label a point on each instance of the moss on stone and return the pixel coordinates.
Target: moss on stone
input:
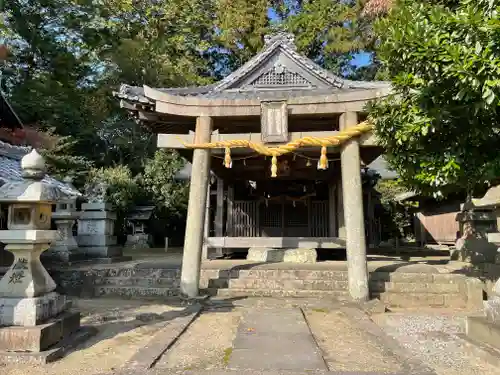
(227, 356)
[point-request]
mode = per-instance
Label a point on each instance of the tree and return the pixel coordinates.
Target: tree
(169, 196)
(158, 180)
(62, 162)
(440, 126)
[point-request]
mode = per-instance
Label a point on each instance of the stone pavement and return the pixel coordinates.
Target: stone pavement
(283, 340)
(275, 339)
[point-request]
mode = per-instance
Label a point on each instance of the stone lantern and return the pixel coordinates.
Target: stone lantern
(32, 313)
(65, 248)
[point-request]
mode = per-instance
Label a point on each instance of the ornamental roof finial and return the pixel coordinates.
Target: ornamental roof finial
(282, 37)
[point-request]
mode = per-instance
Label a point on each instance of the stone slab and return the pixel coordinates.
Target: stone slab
(102, 251)
(148, 355)
(66, 257)
(97, 240)
(31, 311)
(41, 337)
(97, 206)
(480, 329)
(299, 255)
(52, 354)
(255, 346)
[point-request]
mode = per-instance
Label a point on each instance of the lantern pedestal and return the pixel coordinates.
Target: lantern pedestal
(36, 325)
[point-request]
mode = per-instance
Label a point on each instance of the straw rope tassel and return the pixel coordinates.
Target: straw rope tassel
(323, 160)
(228, 163)
(274, 166)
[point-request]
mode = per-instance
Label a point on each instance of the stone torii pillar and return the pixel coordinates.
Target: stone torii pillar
(352, 195)
(193, 240)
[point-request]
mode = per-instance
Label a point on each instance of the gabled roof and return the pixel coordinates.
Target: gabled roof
(278, 71)
(10, 168)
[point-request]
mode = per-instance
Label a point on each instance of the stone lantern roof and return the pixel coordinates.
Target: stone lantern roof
(31, 188)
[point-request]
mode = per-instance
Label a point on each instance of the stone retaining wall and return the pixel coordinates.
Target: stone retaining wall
(393, 288)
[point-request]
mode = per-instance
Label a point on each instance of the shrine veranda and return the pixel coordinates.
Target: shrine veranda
(286, 141)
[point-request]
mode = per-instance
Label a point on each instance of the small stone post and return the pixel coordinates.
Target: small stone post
(96, 226)
(193, 241)
(33, 316)
(352, 195)
(65, 248)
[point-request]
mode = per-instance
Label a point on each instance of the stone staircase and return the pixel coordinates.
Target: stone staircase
(407, 290)
(395, 289)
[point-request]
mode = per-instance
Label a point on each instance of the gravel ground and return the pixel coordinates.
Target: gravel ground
(119, 336)
(206, 344)
(345, 346)
(432, 339)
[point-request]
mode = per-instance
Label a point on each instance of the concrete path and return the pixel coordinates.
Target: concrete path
(275, 339)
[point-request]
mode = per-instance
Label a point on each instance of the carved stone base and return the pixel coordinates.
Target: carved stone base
(40, 337)
(53, 353)
(29, 312)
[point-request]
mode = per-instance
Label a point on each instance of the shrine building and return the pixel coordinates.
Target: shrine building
(286, 140)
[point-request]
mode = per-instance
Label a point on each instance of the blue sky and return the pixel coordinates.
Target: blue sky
(360, 59)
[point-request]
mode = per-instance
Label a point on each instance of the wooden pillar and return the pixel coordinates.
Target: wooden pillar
(219, 213)
(193, 240)
(206, 226)
(354, 213)
(332, 209)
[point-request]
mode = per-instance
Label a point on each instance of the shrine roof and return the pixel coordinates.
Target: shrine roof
(278, 72)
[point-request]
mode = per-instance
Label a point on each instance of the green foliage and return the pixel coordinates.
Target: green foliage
(169, 196)
(396, 216)
(123, 189)
(440, 128)
(158, 181)
(62, 163)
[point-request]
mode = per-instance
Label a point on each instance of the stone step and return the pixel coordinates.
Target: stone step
(139, 292)
(282, 274)
(441, 278)
(128, 272)
(155, 282)
(280, 284)
(337, 294)
(410, 300)
(407, 287)
(287, 284)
